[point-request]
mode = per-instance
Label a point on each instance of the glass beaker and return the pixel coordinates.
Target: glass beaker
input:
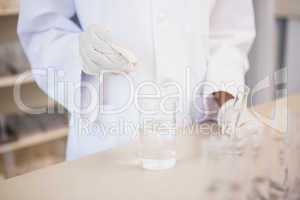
(237, 136)
(158, 140)
(233, 135)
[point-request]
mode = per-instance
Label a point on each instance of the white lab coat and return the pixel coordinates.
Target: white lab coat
(209, 37)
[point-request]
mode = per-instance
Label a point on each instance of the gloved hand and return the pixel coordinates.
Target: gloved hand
(236, 120)
(98, 53)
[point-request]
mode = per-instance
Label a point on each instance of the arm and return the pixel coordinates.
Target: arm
(232, 31)
(50, 40)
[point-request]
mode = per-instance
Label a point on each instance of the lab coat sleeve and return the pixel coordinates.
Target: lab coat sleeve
(232, 31)
(50, 40)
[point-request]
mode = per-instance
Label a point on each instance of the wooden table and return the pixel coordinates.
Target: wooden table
(264, 172)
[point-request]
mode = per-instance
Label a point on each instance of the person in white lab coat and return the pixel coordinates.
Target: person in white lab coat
(74, 40)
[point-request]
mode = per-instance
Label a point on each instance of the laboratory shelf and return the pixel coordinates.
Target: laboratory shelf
(9, 12)
(9, 7)
(8, 81)
(34, 140)
(287, 9)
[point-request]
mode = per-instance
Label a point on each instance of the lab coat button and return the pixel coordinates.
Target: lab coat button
(162, 17)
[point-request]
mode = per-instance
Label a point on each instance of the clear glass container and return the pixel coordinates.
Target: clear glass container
(233, 137)
(158, 140)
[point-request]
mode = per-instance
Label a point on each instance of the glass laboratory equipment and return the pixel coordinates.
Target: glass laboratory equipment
(237, 139)
(158, 139)
(234, 136)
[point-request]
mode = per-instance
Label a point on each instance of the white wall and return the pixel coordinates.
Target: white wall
(293, 56)
(262, 56)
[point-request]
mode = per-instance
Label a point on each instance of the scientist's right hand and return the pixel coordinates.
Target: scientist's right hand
(98, 53)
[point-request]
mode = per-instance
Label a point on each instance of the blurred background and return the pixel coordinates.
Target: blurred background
(30, 142)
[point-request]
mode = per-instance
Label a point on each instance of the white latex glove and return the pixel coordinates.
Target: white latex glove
(235, 118)
(98, 53)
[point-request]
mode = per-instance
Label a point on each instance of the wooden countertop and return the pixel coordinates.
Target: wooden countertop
(117, 174)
